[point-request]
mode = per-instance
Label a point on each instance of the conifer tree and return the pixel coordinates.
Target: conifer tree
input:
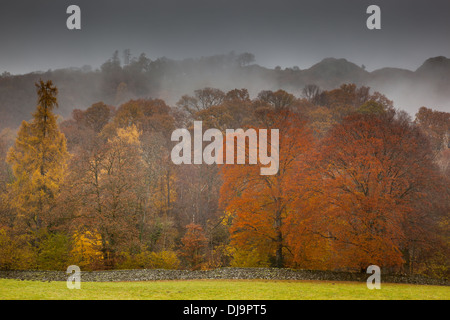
(38, 159)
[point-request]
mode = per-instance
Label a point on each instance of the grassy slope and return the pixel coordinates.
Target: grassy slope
(217, 289)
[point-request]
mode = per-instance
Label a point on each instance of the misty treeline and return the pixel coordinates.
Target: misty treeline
(125, 76)
(119, 79)
(359, 183)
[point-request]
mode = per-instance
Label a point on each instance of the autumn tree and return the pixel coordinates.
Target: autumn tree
(38, 159)
(6, 215)
(86, 249)
(279, 100)
(156, 123)
(374, 170)
(334, 105)
(95, 117)
(202, 99)
(436, 126)
(105, 194)
(198, 185)
(320, 120)
(311, 92)
(259, 204)
(123, 166)
(193, 244)
(121, 183)
(83, 130)
(233, 112)
(6, 139)
(148, 115)
(161, 181)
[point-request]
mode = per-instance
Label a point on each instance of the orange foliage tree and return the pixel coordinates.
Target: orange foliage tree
(194, 241)
(373, 169)
(259, 204)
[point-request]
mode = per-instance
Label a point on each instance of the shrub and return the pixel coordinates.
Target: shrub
(15, 252)
(53, 252)
(149, 260)
(249, 258)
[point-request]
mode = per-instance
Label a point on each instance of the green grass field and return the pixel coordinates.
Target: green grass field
(217, 289)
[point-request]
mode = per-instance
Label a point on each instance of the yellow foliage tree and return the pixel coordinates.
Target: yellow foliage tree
(86, 250)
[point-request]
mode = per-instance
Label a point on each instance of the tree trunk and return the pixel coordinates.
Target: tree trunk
(279, 241)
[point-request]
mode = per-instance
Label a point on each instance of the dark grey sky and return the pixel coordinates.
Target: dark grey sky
(33, 34)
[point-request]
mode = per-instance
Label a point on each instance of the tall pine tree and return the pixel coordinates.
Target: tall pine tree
(38, 159)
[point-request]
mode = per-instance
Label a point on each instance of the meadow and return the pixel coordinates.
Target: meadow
(218, 290)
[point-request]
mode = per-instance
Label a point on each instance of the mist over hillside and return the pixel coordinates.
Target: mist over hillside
(124, 77)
